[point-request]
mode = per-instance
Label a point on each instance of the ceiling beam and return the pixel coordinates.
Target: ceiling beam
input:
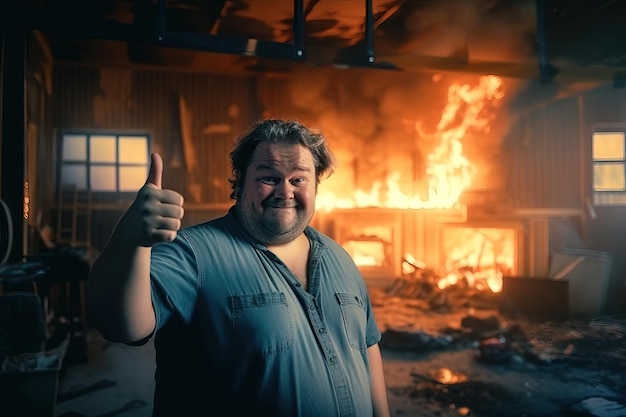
(546, 71)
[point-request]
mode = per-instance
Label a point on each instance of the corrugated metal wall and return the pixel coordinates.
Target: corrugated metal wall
(219, 107)
(545, 166)
(546, 147)
(543, 146)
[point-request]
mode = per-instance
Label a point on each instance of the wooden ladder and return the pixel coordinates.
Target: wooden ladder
(74, 217)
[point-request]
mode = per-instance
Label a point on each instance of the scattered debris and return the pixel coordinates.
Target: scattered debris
(521, 367)
(601, 407)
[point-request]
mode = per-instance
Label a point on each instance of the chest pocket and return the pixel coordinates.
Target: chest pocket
(262, 323)
(354, 319)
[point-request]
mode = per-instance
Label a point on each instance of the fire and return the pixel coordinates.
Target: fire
(480, 256)
(448, 172)
(482, 281)
(476, 259)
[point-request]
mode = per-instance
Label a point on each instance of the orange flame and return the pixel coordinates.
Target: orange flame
(449, 173)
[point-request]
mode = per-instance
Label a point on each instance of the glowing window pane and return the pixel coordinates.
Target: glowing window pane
(103, 178)
(609, 176)
(366, 252)
(102, 149)
(74, 175)
(608, 146)
(132, 178)
(133, 150)
(74, 148)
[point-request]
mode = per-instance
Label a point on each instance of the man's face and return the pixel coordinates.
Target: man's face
(277, 200)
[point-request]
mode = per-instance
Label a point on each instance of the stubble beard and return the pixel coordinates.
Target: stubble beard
(272, 230)
(277, 230)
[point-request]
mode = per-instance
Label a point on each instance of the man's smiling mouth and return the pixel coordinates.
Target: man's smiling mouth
(280, 206)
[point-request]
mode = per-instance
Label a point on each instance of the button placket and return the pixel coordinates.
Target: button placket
(337, 373)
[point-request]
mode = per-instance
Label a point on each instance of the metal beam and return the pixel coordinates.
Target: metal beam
(231, 44)
(546, 71)
(369, 31)
(298, 29)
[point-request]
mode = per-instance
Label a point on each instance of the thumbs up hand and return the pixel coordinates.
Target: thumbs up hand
(156, 214)
(155, 175)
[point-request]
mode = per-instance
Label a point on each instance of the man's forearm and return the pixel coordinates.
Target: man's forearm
(118, 292)
(379, 389)
(118, 288)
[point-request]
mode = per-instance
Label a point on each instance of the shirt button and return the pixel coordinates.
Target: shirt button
(333, 359)
(312, 306)
(322, 330)
(298, 284)
(258, 299)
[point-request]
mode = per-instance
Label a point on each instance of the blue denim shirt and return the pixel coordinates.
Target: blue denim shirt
(237, 334)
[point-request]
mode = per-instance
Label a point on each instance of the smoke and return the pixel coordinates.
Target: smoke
(483, 30)
(381, 122)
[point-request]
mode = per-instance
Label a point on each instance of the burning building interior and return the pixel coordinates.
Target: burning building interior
(480, 185)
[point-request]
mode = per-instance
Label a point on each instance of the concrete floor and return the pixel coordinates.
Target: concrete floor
(116, 380)
(575, 368)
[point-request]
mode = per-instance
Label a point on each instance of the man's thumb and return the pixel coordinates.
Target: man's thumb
(155, 175)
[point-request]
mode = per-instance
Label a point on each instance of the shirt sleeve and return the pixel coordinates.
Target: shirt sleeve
(373, 334)
(174, 279)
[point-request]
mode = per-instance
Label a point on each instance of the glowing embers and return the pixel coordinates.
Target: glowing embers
(471, 256)
(447, 376)
(440, 247)
(479, 256)
(411, 266)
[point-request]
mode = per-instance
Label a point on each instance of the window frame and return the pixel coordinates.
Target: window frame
(609, 196)
(100, 195)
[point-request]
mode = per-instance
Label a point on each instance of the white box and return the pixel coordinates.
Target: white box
(588, 274)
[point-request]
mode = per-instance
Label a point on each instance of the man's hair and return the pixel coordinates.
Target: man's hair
(284, 132)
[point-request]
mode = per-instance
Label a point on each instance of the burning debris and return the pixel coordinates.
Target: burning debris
(417, 314)
(462, 280)
(465, 397)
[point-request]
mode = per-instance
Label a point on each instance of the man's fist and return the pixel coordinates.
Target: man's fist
(156, 214)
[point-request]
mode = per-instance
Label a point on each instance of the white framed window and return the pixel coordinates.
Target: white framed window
(104, 162)
(608, 159)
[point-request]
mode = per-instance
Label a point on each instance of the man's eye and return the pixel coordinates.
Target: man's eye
(269, 180)
(298, 181)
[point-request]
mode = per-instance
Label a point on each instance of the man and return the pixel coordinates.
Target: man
(254, 313)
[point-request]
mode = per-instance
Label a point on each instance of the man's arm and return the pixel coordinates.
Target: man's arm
(379, 389)
(118, 288)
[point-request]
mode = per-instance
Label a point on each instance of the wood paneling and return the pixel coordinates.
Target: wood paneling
(217, 109)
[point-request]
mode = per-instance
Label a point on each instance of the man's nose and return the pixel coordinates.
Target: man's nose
(284, 190)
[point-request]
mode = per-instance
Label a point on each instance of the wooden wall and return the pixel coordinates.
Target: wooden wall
(214, 108)
(540, 157)
(543, 158)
